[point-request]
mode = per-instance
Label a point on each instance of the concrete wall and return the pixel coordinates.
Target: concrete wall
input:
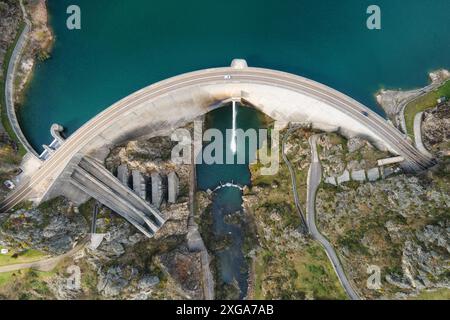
(162, 107)
(160, 116)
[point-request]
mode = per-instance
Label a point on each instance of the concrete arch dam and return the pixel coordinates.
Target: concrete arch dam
(160, 108)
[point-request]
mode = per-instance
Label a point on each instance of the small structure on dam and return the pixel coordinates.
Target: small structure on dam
(58, 140)
(173, 186)
(139, 184)
(123, 175)
(157, 189)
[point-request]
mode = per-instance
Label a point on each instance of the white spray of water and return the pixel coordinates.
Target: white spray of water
(233, 145)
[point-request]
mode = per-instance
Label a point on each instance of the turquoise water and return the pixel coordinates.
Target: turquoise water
(231, 261)
(211, 175)
(126, 45)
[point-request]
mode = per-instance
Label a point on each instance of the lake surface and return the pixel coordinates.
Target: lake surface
(126, 45)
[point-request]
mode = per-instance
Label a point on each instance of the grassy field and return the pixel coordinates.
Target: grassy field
(29, 255)
(439, 294)
(423, 103)
(4, 115)
(25, 285)
(309, 272)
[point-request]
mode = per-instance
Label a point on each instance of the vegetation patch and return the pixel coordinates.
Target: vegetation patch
(423, 103)
(4, 116)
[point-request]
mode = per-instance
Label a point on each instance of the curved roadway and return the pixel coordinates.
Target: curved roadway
(10, 79)
(52, 167)
(304, 227)
(314, 178)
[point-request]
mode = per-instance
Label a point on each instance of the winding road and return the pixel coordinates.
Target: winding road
(314, 179)
(304, 226)
(10, 79)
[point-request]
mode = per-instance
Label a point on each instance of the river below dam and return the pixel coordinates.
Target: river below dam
(231, 263)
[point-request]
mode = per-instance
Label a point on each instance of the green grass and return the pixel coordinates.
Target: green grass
(439, 294)
(423, 103)
(259, 271)
(28, 255)
(25, 284)
(316, 274)
(3, 113)
(6, 277)
(309, 270)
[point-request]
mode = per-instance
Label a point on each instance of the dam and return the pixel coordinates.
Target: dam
(169, 104)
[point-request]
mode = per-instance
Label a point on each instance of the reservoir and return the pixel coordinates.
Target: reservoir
(126, 45)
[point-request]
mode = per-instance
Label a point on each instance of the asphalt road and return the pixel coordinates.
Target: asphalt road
(314, 179)
(304, 227)
(10, 79)
(52, 167)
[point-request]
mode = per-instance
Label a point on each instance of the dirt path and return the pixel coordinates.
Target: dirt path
(46, 264)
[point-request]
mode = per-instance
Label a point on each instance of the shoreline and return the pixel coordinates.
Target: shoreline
(33, 40)
(37, 49)
(391, 101)
(394, 102)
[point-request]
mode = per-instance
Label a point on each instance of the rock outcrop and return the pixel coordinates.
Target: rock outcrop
(52, 228)
(436, 129)
(399, 224)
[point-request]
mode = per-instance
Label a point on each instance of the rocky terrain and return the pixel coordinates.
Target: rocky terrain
(9, 161)
(285, 263)
(10, 17)
(399, 224)
(126, 264)
(436, 129)
(338, 154)
(393, 101)
(38, 46)
(53, 227)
